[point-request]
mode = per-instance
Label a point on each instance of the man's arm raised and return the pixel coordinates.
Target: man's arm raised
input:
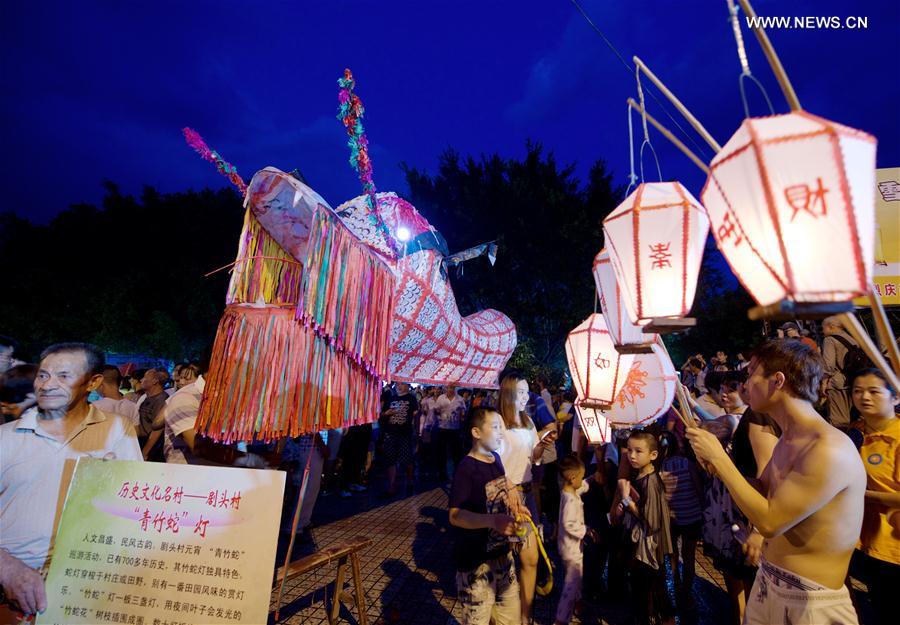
(810, 485)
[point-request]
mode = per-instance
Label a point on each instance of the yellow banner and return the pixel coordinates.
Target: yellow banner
(886, 274)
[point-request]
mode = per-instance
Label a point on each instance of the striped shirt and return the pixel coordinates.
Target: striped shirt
(681, 494)
(35, 471)
(180, 415)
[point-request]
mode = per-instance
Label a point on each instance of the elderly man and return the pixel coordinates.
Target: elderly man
(38, 457)
(810, 504)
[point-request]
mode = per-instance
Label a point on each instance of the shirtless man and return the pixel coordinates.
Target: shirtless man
(810, 504)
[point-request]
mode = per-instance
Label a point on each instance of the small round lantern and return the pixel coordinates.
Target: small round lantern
(598, 370)
(594, 425)
(655, 240)
(791, 199)
(648, 390)
(629, 337)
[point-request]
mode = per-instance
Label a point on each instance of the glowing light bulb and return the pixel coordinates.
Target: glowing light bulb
(403, 234)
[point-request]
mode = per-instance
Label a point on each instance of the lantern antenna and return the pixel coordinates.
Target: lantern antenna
(884, 331)
(693, 121)
(774, 62)
(668, 135)
(853, 326)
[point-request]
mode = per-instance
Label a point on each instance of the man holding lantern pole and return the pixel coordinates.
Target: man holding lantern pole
(809, 502)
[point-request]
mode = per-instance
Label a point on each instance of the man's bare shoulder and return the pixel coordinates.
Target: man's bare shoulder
(832, 451)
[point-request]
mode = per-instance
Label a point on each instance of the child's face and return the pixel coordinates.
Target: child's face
(639, 454)
(490, 433)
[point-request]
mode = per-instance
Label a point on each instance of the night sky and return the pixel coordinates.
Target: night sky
(100, 90)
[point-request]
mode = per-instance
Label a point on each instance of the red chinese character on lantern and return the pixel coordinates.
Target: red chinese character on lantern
(801, 198)
(660, 255)
(727, 229)
(601, 362)
(200, 527)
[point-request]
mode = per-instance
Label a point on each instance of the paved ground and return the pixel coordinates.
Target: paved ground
(408, 574)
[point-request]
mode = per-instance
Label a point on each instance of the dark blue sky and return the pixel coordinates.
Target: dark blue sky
(100, 90)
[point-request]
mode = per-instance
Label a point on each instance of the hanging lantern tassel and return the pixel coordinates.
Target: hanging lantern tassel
(271, 377)
(263, 271)
(347, 294)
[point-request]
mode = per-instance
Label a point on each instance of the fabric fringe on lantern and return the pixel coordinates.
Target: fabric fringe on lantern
(271, 377)
(263, 271)
(225, 168)
(347, 294)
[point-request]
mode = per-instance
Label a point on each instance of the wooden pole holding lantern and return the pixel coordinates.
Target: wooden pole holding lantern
(693, 121)
(774, 62)
(668, 135)
(858, 332)
(888, 341)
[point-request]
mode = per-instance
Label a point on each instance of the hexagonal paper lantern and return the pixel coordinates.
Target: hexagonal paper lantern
(628, 336)
(594, 425)
(792, 206)
(655, 240)
(597, 369)
(648, 390)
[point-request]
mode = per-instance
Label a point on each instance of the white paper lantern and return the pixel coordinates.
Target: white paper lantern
(655, 240)
(648, 390)
(594, 424)
(597, 369)
(791, 199)
(625, 333)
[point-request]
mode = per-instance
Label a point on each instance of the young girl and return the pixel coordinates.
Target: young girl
(684, 494)
(647, 522)
(570, 534)
(521, 448)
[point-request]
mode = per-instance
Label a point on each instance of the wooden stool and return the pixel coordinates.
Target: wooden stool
(342, 552)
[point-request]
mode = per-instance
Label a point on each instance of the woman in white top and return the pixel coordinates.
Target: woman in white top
(521, 449)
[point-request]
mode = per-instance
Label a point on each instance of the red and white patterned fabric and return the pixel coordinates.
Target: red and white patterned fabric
(431, 342)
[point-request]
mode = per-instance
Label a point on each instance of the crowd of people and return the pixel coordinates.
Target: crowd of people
(788, 478)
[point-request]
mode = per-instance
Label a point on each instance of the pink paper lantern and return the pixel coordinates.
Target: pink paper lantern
(612, 302)
(594, 424)
(655, 240)
(597, 369)
(648, 390)
(791, 199)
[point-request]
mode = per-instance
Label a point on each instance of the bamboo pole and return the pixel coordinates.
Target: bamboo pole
(884, 331)
(668, 135)
(774, 62)
(693, 121)
(865, 342)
